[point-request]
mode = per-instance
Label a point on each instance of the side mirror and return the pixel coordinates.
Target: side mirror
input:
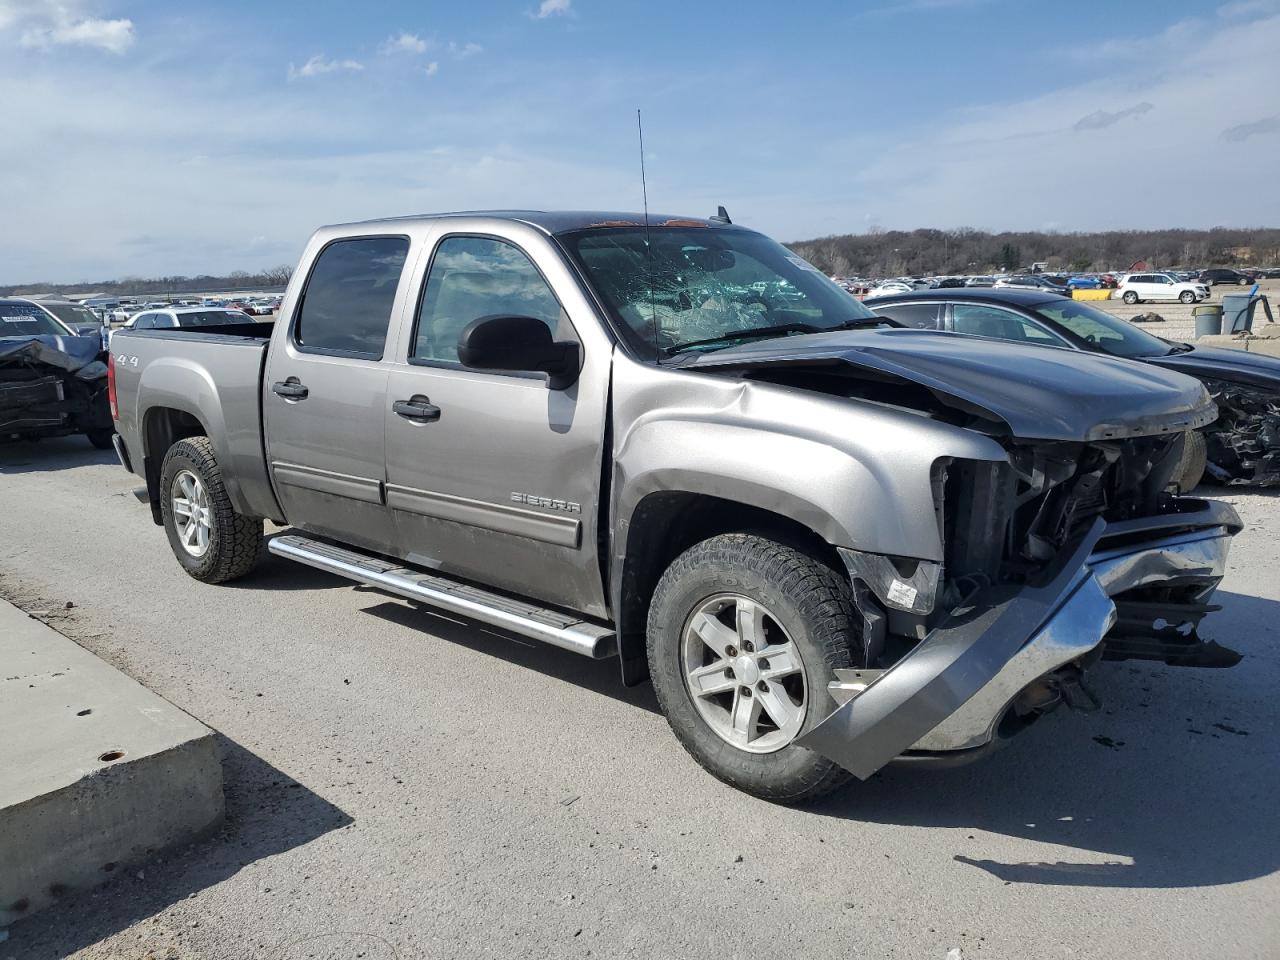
(87, 329)
(520, 344)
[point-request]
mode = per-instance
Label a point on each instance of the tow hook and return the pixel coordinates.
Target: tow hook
(1076, 694)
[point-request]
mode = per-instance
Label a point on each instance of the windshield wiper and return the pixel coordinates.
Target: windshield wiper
(752, 332)
(749, 333)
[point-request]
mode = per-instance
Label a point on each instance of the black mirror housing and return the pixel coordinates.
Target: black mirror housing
(519, 344)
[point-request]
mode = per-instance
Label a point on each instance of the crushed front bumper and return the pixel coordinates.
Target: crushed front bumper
(949, 696)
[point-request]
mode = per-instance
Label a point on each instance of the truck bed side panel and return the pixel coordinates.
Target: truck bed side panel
(217, 379)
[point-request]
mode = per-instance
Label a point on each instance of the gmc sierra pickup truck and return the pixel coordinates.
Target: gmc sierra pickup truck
(829, 542)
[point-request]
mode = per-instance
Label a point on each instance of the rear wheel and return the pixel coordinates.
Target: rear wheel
(212, 542)
(1130, 297)
(1187, 296)
(744, 635)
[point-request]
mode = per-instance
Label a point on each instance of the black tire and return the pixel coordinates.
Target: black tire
(1130, 297)
(1187, 296)
(814, 605)
(1195, 456)
(235, 541)
(100, 437)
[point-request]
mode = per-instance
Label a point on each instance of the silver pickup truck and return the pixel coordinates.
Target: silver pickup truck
(829, 542)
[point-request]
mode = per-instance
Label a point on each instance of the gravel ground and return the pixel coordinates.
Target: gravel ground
(400, 785)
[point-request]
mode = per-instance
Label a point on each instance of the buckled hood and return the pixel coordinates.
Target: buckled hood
(1042, 393)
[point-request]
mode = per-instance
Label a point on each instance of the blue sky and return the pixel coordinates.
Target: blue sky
(176, 138)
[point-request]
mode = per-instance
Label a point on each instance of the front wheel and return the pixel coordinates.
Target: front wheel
(1130, 297)
(1187, 296)
(1193, 463)
(212, 542)
(744, 635)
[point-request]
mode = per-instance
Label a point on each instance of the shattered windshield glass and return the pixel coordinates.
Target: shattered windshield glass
(27, 320)
(702, 288)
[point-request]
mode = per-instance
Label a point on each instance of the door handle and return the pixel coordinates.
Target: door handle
(417, 408)
(290, 389)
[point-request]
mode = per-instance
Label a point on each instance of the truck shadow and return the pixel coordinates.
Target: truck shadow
(55, 453)
(268, 813)
(1172, 784)
(598, 676)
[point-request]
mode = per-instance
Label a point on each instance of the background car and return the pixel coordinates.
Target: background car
(1242, 445)
(1028, 282)
(1218, 275)
(186, 317)
(1140, 287)
(1084, 283)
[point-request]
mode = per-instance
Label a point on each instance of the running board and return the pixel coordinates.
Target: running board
(561, 630)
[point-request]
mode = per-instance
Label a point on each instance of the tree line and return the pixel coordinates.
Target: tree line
(891, 253)
(130, 286)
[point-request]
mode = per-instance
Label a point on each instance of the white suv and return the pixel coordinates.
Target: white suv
(1137, 287)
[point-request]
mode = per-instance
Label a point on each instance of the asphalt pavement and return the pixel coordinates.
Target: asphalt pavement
(402, 785)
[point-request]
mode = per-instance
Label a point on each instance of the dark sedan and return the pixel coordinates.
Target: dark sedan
(1242, 446)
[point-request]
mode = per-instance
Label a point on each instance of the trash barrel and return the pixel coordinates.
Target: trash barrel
(1208, 317)
(1237, 312)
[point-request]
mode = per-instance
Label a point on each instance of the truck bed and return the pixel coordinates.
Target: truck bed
(211, 374)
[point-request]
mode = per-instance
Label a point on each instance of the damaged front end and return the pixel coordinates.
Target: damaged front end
(1065, 554)
(1243, 446)
(52, 386)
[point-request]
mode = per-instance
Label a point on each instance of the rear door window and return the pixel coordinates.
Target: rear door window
(923, 316)
(346, 306)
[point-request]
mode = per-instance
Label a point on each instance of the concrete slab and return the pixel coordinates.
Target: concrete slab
(96, 771)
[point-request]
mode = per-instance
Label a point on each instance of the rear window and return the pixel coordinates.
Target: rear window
(27, 320)
(204, 318)
(346, 305)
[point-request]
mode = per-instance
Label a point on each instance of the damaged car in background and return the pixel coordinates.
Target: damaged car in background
(829, 543)
(1242, 446)
(53, 377)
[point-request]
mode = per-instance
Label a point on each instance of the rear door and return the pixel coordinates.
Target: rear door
(325, 391)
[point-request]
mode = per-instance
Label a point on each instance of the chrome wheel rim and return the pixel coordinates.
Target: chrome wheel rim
(191, 513)
(744, 674)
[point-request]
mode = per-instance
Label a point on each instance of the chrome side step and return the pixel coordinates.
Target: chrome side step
(561, 630)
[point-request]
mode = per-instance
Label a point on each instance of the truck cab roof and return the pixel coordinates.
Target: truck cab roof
(549, 221)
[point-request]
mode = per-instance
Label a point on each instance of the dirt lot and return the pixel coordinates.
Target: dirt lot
(1178, 323)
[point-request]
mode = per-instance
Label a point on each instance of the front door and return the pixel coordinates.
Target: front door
(494, 476)
(326, 389)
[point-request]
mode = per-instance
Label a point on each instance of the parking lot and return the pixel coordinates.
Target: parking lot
(404, 785)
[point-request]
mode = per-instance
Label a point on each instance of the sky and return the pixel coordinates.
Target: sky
(175, 138)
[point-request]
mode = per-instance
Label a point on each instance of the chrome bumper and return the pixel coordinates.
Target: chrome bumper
(951, 692)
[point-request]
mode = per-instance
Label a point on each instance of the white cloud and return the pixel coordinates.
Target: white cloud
(55, 23)
(552, 8)
(463, 50)
(318, 66)
(405, 42)
(431, 69)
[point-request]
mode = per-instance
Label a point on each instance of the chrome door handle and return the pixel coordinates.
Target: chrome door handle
(417, 408)
(290, 389)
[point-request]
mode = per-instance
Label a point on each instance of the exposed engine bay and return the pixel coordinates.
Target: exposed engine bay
(1244, 443)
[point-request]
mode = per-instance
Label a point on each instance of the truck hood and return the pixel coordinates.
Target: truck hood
(1041, 393)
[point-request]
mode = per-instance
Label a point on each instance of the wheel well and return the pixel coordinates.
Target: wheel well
(665, 525)
(162, 428)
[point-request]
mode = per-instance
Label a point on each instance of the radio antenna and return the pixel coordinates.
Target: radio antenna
(648, 248)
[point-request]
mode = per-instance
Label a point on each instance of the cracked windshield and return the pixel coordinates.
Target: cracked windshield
(706, 288)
